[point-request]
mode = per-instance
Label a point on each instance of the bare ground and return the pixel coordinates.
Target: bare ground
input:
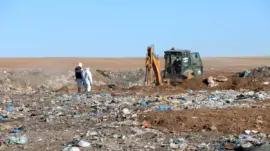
(232, 120)
(224, 64)
(225, 121)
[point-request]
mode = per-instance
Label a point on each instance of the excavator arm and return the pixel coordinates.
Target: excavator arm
(152, 62)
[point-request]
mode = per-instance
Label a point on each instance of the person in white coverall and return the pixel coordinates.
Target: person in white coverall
(88, 80)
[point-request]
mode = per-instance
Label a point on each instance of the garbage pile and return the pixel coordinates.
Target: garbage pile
(36, 118)
(260, 73)
(202, 99)
(56, 121)
(252, 140)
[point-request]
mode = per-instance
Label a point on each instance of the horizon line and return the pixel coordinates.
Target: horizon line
(48, 57)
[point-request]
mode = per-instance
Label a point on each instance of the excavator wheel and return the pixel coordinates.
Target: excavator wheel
(168, 81)
(188, 74)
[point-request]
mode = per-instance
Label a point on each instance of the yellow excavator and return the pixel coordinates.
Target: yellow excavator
(179, 65)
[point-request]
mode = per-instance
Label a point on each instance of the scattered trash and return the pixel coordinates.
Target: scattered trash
(17, 140)
(190, 91)
(83, 143)
(178, 144)
(212, 98)
(9, 108)
(266, 83)
(71, 149)
(211, 82)
(146, 124)
(221, 79)
(2, 118)
(103, 95)
(203, 91)
(111, 121)
(143, 104)
(162, 108)
(162, 99)
(243, 74)
(126, 111)
(181, 99)
(16, 130)
(169, 97)
(247, 132)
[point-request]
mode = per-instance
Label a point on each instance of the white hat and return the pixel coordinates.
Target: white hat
(80, 64)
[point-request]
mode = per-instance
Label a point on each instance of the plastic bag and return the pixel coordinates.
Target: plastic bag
(17, 140)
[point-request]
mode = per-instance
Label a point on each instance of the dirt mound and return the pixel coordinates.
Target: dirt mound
(127, 78)
(131, 80)
(23, 79)
(225, 121)
(197, 83)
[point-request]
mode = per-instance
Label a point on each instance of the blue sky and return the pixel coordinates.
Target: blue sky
(120, 28)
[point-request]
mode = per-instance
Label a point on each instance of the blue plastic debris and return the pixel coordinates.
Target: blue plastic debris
(238, 141)
(212, 97)
(181, 99)
(2, 118)
(179, 141)
(246, 73)
(162, 108)
(15, 130)
(203, 91)
(190, 91)
(9, 107)
(73, 95)
(27, 93)
(143, 105)
(102, 94)
(88, 95)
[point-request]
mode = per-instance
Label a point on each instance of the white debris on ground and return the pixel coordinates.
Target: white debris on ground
(213, 82)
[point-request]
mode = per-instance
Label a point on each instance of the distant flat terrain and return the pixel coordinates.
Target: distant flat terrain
(61, 64)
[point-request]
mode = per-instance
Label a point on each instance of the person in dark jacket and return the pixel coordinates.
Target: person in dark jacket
(177, 65)
(79, 77)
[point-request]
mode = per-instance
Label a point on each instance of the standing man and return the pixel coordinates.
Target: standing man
(79, 77)
(177, 65)
(88, 80)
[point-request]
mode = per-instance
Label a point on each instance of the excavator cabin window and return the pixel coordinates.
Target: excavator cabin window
(169, 59)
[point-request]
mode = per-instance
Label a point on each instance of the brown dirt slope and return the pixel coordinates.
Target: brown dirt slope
(225, 121)
(212, 65)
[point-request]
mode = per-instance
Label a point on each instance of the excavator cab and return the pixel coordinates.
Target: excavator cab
(178, 63)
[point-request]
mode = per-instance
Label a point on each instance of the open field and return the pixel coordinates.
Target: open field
(45, 103)
(220, 63)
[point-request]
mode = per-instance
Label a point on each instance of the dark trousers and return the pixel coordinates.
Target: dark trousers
(178, 71)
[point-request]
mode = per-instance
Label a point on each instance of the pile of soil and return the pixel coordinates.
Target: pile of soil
(233, 120)
(127, 78)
